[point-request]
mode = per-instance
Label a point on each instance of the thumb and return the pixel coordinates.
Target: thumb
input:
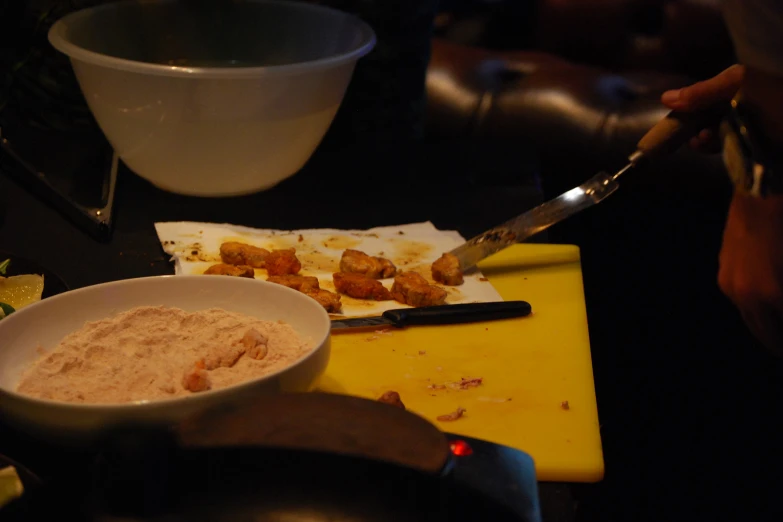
(702, 94)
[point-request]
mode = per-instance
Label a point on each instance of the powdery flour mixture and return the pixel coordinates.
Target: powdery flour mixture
(151, 353)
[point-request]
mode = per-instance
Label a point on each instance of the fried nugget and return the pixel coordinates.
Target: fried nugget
(231, 270)
(329, 300)
(357, 262)
(446, 270)
(297, 282)
(412, 289)
(360, 287)
(282, 262)
(235, 253)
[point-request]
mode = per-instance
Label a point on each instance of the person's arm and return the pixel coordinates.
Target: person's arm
(756, 27)
(762, 92)
(751, 257)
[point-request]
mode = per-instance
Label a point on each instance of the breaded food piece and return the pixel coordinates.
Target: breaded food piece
(223, 356)
(309, 286)
(446, 270)
(231, 270)
(360, 287)
(282, 262)
(392, 398)
(255, 344)
(412, 289)
(196, 379)
(235, 253)
(329, 300)
(357, 262)
(297, 282)
(451, 417)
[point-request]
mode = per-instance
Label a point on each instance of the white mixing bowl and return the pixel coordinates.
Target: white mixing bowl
(45, 323)
(213, 98)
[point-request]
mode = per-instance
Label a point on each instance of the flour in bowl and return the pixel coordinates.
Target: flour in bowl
(156, 352)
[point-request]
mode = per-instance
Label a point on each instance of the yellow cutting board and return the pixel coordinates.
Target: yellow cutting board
(529, 366)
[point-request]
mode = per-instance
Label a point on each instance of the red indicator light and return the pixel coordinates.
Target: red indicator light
(461, 448)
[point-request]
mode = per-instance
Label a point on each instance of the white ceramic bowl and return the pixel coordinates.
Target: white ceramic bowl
(47, 322)
(213, 98)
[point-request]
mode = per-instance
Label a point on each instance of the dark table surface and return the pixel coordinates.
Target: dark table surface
(33, 230)
(331, 192)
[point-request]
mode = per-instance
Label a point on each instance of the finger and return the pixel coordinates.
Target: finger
(762, 315)
(706, 141)
(702, 94)
(710, 143)
(713, 146)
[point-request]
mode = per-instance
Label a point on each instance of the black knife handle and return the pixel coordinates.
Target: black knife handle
(458, 313)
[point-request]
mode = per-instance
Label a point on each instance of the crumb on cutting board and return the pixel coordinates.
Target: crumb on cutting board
(462, 384)
(392, 398)
(454, 415)
(493, 399)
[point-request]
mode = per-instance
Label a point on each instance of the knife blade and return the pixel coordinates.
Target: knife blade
(439, 315)
(664, 137)
(534, 221)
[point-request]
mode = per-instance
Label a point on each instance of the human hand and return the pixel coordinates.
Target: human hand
(751, 265)
(751, 256)
(719, 88)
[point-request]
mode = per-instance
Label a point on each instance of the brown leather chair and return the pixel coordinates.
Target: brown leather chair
(579, 119)
(680, 36)
(685, 36)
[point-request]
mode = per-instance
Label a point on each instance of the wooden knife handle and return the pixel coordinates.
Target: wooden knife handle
(677, 128)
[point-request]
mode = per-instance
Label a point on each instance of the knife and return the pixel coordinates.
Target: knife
(443, 314)
(666, 136)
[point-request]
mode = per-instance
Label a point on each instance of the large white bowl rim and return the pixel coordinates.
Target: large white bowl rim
(58, 37)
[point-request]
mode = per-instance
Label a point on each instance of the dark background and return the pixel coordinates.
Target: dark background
(688, 401)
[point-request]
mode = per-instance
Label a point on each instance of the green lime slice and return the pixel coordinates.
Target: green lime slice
(6, 309)
(11, 486)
